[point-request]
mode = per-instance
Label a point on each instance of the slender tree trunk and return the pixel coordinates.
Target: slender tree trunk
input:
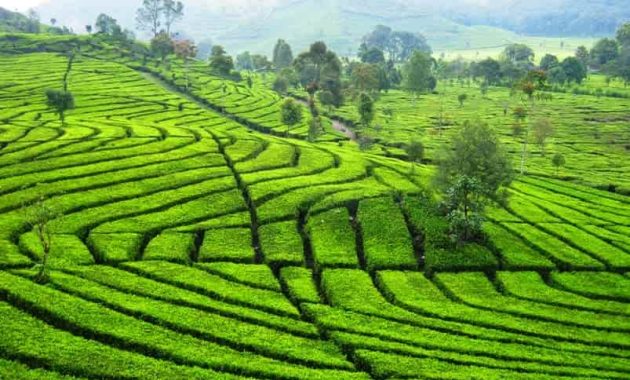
(524, 152)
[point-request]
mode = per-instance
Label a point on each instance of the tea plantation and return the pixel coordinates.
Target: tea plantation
(192, 239)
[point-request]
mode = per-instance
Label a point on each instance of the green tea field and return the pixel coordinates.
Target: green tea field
(192, 237)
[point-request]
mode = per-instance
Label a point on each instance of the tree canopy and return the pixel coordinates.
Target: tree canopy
(418, 74)
(399, 45)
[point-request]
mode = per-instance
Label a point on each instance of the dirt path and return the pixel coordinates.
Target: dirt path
(343, 128)
(337, 125)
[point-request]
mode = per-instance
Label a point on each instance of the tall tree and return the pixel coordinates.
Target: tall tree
(320, 69)
(574, 70)
(417, 73)
(372, 55)
(543, 129)
(282, 55)
(148, 17)
(604, 51)
(399, 45)
(623, 34)
(365, 106)
(519, 54)
(365, 77)
(244, 61)
(106, 24)
(39, 216)
(220, 62)
(162, 45)
(548, 62)
(472, 168)
(290, 113)
(415, 153)
(582, 54)
(173, 12)
(185, 50)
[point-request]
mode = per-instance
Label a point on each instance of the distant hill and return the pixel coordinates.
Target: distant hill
(15, 22)
(461, 26)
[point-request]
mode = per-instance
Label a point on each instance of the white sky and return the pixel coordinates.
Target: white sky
(20, 5)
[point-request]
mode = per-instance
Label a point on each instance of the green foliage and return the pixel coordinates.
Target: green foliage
(282, 55)
(399, 45)
(162, 45)
(417, 73)
(221, 63)
(574, 70)
(464, 203)
(543, 129)
(461, 98)
(475, 152)
(558, 161)
(60, 102)
(291, 113)
(320, 69)
(365, 107)
(415, 152)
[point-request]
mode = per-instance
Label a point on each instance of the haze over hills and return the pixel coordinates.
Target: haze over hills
(449, 25)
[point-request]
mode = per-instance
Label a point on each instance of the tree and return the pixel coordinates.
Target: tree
(260, 62)
(60, 102)
(291, 113)
(548, 62)
(320, 69)
(473, 169)
(372, 55)
(281, 85)
(282, 55)
(623, 35)
(461, 98)
(149, 15)
(173, 12)
(315, 128)
(574, 70)
(399, 45)
(38, 216)
(106, 24)
(465, 203)
(582, 54)
(162, 45)
(519, 54)
(365, 106)
(185, 50)
(365, 77)
(244, 61)
(417, 73)
(220, 62)
(476, 152)
(604, 51)
(557, 75)
(558, 161)
(415, 153)
(543, 129)
(489, 69)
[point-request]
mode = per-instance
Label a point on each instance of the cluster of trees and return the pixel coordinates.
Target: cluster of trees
(397, 45)
(610, 56)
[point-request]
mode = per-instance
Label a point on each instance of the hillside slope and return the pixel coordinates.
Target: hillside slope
(191, 240)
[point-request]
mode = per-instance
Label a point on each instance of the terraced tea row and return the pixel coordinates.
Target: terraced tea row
(172, 319)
